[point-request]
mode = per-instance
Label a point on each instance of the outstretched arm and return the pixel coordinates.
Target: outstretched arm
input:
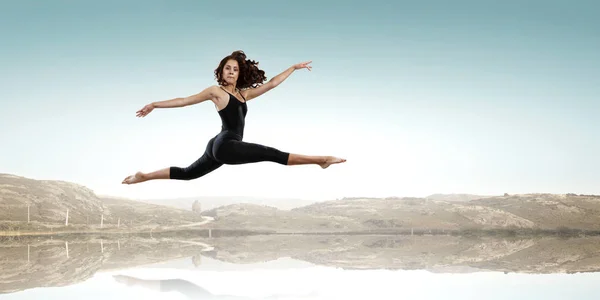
(275, 81)
(206, 94)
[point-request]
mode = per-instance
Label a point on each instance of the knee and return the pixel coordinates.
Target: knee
(179, 173)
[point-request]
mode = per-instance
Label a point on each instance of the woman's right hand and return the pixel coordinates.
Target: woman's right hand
(145, 111)
(303, 65)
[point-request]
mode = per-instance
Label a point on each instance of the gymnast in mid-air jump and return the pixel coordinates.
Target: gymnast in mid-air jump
(236, 76)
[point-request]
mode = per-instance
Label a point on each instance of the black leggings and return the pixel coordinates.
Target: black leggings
(228, 148)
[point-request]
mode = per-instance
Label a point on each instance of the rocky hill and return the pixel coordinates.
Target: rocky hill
(547, 210)
(47, 202)
(267, 218)
(527, 211)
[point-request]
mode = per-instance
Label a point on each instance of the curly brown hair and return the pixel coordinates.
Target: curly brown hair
(250, 74)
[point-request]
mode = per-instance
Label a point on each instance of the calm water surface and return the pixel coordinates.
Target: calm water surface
(169, 269)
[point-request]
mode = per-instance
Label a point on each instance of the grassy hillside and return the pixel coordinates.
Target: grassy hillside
(49, 201)
(529, 211)
(548, 210)
(262, 217)
(134, 212)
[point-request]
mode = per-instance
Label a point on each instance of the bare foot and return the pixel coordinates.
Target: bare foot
(138, 177)
(332, 160)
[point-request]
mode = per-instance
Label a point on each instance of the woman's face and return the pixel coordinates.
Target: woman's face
(231, 72)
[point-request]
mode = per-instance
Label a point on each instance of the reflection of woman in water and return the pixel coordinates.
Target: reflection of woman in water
(240, 80)
(186, 288)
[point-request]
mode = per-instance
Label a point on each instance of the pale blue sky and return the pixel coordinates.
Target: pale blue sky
(440, 96)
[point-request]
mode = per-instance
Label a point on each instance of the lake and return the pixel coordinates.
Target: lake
(299, 267)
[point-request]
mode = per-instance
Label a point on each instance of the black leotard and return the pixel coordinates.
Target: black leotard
(227, 147)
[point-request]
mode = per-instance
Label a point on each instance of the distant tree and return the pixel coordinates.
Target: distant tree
(196, 207)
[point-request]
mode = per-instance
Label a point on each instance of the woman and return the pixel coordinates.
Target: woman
(240, 80)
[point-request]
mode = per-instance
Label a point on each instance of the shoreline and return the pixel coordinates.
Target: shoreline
(221, 232)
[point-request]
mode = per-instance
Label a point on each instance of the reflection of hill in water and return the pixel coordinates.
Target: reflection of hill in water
(47, 262)
(434, 253)
(33, 262)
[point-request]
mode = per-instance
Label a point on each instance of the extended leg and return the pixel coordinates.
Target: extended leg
(204, 165)
(237, 152)
(233, 152)
(199, 168)
(141, 177)
(323, 161)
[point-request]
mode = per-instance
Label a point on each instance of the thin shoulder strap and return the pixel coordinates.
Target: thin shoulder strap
(240, 92)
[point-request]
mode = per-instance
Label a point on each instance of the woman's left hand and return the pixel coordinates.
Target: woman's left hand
(303, 65)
